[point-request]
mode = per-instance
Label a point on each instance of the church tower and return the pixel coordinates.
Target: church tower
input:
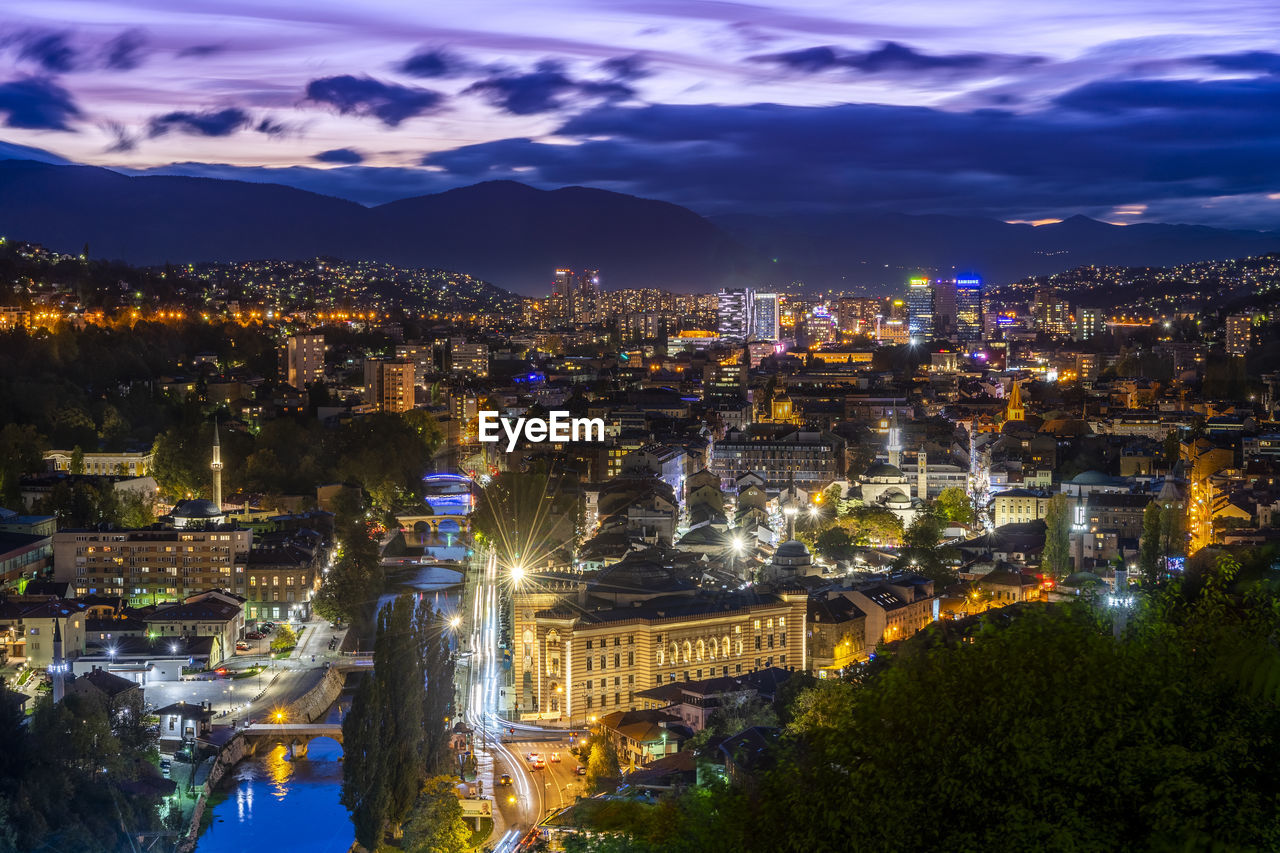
(1015, 411)
(895, 441)
(216, 466)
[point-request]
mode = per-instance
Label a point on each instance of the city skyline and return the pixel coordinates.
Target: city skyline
(1135, 114)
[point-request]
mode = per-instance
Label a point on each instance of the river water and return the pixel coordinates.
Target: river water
(277, 805)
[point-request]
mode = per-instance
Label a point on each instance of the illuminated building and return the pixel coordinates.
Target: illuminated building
(1052, 314)
(130, 464)
(692, 339)
(573, 662)
(304, 360)
(969, 309)
(388, 384)
(1239, 329)
(584, 296)
(920, 309)
(944, 308)
(733, 314)
(1015, 411)
(468, 358)
(767, 317)
(782, 457)
(1089, 323)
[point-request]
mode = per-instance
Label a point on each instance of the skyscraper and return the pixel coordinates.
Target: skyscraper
(764, 326)
(585, 296)
(733, 314)
(558, 306)
(969, 309)
(920, 309)
(944, 308)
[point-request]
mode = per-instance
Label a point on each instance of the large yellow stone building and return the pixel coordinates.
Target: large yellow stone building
(584, 646)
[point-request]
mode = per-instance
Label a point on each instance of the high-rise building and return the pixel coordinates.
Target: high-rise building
(767, 316)
(388, 384)
(468, 358)
(944, 308)
(585, 297)
(1089, 323)
(733, 314)
(558, 306)
(304, 360)
(1239, 330)
(856, 315)
(1051, 313)
(920, 309)
(969, 309)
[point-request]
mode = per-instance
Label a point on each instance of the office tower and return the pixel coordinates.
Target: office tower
(1090, 322)
(1239, 328)
(765, 323)
(944, 308)
(304, 360)
(585, 297)
(920, 310)
(558, 306)
(733, 314)
(969, 309)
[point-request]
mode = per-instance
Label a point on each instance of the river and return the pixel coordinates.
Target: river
(277, 805)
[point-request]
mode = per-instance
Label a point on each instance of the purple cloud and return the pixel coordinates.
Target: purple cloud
(546, 89)
(37, 103)
(125, 51)
(50, 49)
(390, 103)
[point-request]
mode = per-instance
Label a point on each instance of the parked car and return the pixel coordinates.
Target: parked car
(253, 635)
(242, 646)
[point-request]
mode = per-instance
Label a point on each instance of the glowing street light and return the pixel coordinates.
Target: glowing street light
(455, 622)
(517, 574)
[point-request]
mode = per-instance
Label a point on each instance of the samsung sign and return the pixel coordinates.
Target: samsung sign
(556, 428)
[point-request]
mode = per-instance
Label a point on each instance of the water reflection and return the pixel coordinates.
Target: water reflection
(282, 805)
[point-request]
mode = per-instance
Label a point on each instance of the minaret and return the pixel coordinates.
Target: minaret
(922, 474)
(895, 441)
(216, 466)
(58, 668)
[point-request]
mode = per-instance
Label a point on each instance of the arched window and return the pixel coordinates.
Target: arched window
(702, 650)
(553, 653)
(725, 644)
(688, 651)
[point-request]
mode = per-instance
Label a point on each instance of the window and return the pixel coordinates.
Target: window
(757, 643)
(588, 664)
(588, 646)
(588, 702)
(631, 658)
(602, 661)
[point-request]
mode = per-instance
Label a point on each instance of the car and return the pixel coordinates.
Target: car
(555, 756)
(253, 635)
(242, 646)
(504, 779)
(580, 770)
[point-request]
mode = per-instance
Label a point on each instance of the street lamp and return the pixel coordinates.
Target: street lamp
(517, 574)
(455, 622)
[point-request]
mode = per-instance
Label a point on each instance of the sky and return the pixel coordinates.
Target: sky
(1125, 110)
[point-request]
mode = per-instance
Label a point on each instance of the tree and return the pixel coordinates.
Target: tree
(437, 825)
(284, 640)
(21, 452)
(833, 543)
(602, 759)
(953, 505)
(1055, 561)
(1150, 546)
(76, 465)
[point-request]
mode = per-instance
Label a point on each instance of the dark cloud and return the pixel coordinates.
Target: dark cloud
(271, 127)
(345, 156)
(546, 89)
(122, 139)
(50, 49)
(892, 58)
(125, 51)
(213, 123)
(1099, 146)
(199, 51)
(434, 62)
(390, 103)
(1254, 61)
(631, 67)
(37, 103)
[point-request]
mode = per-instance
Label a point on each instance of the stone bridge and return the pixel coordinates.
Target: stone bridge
(296, 737)
(423, 529)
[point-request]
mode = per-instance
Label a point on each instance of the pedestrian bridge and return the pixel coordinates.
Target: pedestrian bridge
(296, 737)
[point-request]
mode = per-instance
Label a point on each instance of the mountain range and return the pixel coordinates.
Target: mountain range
(515, 236)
